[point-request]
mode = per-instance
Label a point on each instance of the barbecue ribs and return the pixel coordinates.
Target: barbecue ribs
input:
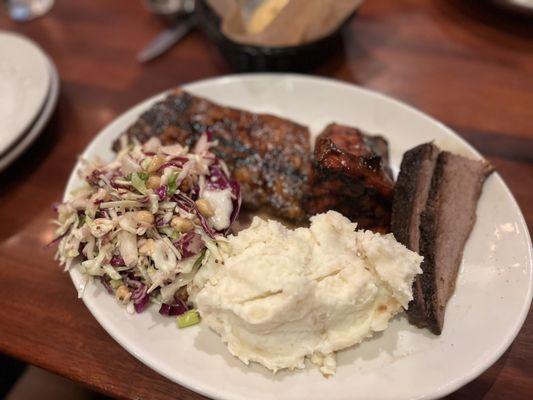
(271, 158)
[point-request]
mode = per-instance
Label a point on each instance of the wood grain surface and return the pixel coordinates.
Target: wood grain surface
(464, 62)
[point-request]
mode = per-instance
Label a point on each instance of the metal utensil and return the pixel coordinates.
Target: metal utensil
(181, 12)
(169, 10)
(166, 39)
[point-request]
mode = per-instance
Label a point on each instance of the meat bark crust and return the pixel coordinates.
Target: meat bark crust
(269, 156)
(411, 192)
(351, 175)
(443, 226)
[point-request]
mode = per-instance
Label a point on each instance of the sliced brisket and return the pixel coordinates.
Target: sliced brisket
(411, 193)
(434, 211)
(410, 198)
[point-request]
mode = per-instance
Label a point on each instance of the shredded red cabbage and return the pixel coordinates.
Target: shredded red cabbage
(132, 282)
(184, 202)
(140, 298)
(139, 292)
(178, 308)
(189, 205)
(176, 162)
(218, 179)
(162, 192)
(117, 261)
(94, 177)
(141, 304)
(189, 244)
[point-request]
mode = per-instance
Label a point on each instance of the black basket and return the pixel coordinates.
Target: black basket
(245, 58)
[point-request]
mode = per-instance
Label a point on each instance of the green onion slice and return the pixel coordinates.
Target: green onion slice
(189, 318)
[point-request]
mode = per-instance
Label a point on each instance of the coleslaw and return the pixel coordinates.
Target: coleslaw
(141, 224)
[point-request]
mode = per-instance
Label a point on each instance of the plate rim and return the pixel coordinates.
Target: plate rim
(450, 386)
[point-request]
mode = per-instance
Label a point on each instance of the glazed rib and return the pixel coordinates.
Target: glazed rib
(351, 175)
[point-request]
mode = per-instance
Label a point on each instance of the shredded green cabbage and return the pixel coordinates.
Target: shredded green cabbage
(138, 183)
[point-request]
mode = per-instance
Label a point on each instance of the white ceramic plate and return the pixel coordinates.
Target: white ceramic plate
(24, 85)
(34, 130)
(486, 312)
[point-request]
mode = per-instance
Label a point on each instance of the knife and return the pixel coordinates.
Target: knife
(166, 39)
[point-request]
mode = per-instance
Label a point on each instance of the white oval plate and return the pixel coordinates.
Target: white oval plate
(24, 84)
(484, 315)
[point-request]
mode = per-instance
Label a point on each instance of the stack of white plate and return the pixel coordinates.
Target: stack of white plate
(29, 86)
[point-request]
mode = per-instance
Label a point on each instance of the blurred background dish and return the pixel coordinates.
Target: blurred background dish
(38, 125)
(249, 58)
(255, 35)
(24, 86)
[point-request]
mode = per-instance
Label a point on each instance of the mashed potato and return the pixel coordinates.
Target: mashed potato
(277, 296)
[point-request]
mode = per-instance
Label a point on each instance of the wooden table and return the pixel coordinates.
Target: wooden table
(468, 65)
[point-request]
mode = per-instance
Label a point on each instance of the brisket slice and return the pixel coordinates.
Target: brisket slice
(269, 156)
(351, 175)
(411, 193)
(410, 198)
(440, 217)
